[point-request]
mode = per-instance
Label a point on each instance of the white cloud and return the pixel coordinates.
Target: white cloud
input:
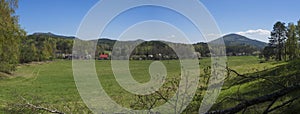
(259, 34)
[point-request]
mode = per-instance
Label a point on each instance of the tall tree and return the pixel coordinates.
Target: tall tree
(277, 39)
(268, 52)
(292, 42)
(28, 51)
(10, 35)
(298, 37)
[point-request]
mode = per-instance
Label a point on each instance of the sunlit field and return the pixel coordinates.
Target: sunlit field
(51, 84)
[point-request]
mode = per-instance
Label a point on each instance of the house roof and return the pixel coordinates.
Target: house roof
(103, 56)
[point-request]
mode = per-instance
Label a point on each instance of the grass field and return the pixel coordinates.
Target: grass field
(52, 85)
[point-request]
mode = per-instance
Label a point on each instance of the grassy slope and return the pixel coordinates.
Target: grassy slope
(52, 85)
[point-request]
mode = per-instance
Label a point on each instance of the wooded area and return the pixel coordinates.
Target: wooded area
(284, 42)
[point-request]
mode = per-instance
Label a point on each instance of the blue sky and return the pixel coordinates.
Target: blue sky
(252, 18)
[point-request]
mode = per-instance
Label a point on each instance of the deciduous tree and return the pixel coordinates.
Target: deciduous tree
(10, 35)
(292, 42)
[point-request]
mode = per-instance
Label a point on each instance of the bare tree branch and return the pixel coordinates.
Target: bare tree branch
(270, 105)
(41, 108)
(254, 77)
(258, 100)
(44, 109)
(283, 104)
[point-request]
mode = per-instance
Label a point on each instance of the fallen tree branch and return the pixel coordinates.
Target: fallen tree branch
(270, 105)
(41, 108)
(254, 77)
(258, 100)
(283, 104)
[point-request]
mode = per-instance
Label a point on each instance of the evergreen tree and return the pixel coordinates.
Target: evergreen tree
(277, 39)
(298, 35)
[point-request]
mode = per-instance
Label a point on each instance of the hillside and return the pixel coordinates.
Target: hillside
(235, 45)
(49, 34)
(235, 39)
(230, 40)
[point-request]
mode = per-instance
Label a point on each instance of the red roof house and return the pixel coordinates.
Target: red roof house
(103, 56)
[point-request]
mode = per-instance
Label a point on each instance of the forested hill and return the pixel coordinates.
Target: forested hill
(239, 40)
(235, 39)
(49, 34)
(235, 45)
(241, 45)
(230, 40)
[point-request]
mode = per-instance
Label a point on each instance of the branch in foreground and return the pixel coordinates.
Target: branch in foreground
(258, 100)
(252, 77)
(41, 108)
(283, 104)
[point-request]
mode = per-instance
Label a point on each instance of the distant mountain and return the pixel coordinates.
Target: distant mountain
(239, 40)
(235, 44)
(106, 41)
(53, 35)
(230, 40)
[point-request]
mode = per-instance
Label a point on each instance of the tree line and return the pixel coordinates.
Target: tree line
(44, 47)
(284, 42)
(10, 36)
(16, 47)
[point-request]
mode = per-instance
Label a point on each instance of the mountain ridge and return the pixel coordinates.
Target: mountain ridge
(236, 39)
(229, 40)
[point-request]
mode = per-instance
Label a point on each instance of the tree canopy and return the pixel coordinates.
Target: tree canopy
(10, 36)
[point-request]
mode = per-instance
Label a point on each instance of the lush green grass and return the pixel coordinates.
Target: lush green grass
(49, 83)
(52, 84)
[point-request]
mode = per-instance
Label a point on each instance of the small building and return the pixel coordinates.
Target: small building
(104, 57)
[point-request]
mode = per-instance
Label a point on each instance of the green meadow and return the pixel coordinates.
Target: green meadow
(51, 84)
